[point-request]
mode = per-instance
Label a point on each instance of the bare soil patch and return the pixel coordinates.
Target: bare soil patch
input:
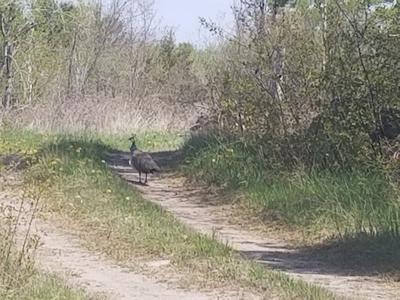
(60, 252)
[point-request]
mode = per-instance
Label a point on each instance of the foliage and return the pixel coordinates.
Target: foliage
(306, 97)
(69, 60)
(309, 83)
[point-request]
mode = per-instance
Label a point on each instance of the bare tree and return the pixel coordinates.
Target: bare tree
(13, 28)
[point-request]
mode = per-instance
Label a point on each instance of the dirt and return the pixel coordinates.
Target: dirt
(61, 253)
(201, 210)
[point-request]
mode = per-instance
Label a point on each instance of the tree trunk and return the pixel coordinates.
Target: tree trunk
(71, 65)
(8, 75)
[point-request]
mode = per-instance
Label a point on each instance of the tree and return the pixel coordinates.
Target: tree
(13, 28)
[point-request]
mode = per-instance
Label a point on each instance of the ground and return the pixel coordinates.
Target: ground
(63, 253)
(200, 209)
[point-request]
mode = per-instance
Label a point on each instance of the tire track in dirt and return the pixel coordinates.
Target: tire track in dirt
(201, 211)
(61, 253)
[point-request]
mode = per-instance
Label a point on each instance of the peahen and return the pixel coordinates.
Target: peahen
(142, 161)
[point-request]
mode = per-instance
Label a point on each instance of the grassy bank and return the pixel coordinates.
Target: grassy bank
(115, 219)
(341, 202)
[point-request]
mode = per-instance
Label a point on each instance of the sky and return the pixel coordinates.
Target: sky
(184, 15)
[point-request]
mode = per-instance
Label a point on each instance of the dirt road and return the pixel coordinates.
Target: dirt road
(202, 211)
(61, 253)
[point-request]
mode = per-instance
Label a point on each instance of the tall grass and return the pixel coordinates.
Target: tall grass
(344, 201)
(119, 116)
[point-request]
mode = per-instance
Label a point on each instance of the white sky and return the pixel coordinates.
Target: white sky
(184, 15)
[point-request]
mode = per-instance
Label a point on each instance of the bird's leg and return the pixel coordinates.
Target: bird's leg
(140, 177)
(145, 181)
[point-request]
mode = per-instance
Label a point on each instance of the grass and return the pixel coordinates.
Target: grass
(19, 278)
(115, 219)
(11, 141)
(149, 141)
(43, 287)
(341, 203)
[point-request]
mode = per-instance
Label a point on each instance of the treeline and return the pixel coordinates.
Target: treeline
(309, 82)
(86, 64)
(314, 83)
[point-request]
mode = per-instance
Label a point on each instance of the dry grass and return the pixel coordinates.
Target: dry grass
(96, 114)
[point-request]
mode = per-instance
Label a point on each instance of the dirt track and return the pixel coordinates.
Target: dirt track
(202, 211)
(61, 253)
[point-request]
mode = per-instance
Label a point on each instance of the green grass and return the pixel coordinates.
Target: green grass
(11, 141)
(149, 141)
(342, 202)
(116, 220)
(43, 287)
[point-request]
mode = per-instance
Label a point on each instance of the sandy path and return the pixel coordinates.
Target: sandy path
(61, 253)
(199, 210)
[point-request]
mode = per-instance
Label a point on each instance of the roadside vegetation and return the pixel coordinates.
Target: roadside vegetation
(307, 118)
(341, 202)
(19, 277)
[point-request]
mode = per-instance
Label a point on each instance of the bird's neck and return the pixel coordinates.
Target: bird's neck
(133, 148)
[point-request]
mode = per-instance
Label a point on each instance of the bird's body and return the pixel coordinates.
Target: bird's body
(142, 162)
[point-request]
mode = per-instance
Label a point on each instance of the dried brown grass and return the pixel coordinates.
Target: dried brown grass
(111, 116)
